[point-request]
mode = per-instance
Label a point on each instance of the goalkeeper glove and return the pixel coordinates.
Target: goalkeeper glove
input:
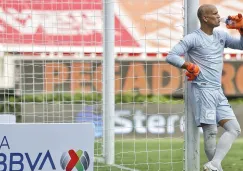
(190, 76)
(192, 71)
(235, 22)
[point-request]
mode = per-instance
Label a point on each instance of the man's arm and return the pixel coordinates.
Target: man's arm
(185, 65)
(234, 43)
(174, 57)
(175, 60)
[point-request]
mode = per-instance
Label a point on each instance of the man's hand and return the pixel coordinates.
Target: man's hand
(236, 23)
(190, 76)
(193, 69)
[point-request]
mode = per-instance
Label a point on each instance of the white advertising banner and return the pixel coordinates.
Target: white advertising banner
(7, 118)
(47, 147)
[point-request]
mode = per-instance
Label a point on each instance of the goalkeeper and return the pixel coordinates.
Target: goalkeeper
(204, 48)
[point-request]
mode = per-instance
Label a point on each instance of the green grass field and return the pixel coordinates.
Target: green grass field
(145, 155)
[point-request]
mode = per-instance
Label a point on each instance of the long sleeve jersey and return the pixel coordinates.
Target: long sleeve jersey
(206, 52)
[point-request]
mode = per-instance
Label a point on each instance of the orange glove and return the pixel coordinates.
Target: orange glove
(190, 76)
(193, 69)
(235, 22)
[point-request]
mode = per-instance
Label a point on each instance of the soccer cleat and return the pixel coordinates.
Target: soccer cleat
(209, 167)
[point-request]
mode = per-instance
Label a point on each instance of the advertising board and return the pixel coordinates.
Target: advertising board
(46, 147)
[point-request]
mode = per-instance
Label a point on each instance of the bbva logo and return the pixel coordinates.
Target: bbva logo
(71, 159)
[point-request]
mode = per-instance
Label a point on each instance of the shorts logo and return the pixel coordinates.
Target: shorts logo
(210, 114)
(79, 159)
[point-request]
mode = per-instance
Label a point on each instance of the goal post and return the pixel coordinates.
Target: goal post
(108, 81)
(192, 136)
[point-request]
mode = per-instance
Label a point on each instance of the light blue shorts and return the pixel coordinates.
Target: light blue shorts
(210, 106)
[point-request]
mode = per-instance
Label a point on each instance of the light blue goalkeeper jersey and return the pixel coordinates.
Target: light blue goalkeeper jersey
(206, 53)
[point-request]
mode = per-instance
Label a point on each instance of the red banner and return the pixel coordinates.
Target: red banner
(57, 23)
(150, 26)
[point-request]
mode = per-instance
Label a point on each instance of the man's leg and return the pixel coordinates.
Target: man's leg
(232, 131)
(209, 134)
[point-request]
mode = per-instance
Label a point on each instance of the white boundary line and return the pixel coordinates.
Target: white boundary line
(124, 168)
(101, 160)
(77, 49)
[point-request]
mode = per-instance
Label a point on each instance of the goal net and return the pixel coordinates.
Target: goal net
(52, 66)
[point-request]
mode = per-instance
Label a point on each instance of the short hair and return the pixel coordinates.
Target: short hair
(201, 10)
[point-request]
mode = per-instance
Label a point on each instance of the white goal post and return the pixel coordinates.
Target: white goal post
(108, 81)
(192, 136)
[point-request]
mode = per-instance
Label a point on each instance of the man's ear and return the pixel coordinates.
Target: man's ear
(205, 19)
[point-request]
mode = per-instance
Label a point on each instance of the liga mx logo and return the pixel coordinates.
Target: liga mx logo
(71, 160)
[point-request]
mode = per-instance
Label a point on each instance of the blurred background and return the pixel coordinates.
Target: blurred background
(51, 69)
